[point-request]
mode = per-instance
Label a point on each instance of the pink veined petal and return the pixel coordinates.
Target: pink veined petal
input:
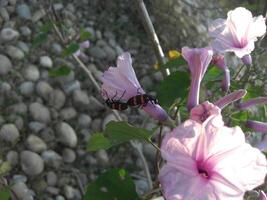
(257, 28)
(217, 27)
(179, 186)
(155, 111)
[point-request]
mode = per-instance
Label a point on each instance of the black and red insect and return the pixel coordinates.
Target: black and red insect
(116, 104)
(141, 100)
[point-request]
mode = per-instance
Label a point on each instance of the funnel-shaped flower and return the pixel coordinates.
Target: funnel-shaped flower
(120, 83)
(219, 61)
(257, 126)
(252, 102)
(263, 195)
(209, 161)
(198, 61)
(237, 33)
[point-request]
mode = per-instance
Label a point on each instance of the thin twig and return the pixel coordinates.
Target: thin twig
(157, 163)
(151, 33)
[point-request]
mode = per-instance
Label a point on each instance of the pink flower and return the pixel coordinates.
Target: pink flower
(120, 83)
(83, 45)
(263, 195)
(219, 61)
(252, 102)
(198, 61)
(237, 33)
(208, 161)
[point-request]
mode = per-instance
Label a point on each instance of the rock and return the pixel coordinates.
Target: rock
(19, 108)
(8, 34)
(60, 197)
(19, 178)
(68, 155)
(35, 144)
(96, 124)
(5, 65)
(97, 52)
(51, 178)
(84, 121)
(4, 14)
(102, 157)
(111, 54)
(68, 113)
(46, 62)
(47, 134)
(12, 157)
(66, 134)
(31, 73)
(23, 46)
(56, 48)
(25, 31)
(21, 191)
(52, 190)
(69, 192)
(14, 52)
(110, 117)
(52, 158)
(9, 133)
(141, 186)
(80, 98)
(23, 11)
(71, 86)
(31, 163)
(149, 151)
(36, 126)
(95, 105)
(39, 14)
(57, 98)
(43, 89)
(26, 88)
(39, 112)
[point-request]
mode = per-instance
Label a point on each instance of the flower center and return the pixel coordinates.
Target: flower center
(203, 172)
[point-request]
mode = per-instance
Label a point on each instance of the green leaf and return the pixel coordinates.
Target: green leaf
(39, 39)
(98, 141)
(174, 63)
(61, 71)
(4, 193)
(116, 133)
(174, 86)
(71, 48)
(213, 73)
(253, 92)
(85, 35)
(112, 186)
(47, 27)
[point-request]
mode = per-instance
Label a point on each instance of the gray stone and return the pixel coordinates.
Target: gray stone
(66, 135)
(51, 178)
(60, 197)
(44, 89)
(35, 144)
(80, 98)
(8, 34)
(68, 113)
(36, 126)
(84, 121)
(19, 108)
(97, 52)
(68, 155)
(14, 52)
(12, 157)
(4, 13)
(31, 163)
(52, 190)
(39, 14)
(102, 157)
(52, 158)
(45, 61)
(57, 99)
(19, 178)
(111, 54)
(69, 192)
(23, 11)
(25, 31)
(21, 191)
(39, 112)
(56, 48)
(110, 117)
(95, 105)
(23, 46)
(71, 86)
(26, 88)
(5, 65)
(9, 133)
(31, 73)
(5, 87)
(141, 186)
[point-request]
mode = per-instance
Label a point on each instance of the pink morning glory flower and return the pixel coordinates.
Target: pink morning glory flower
(237, 33)
(252, 102)
(120, 83)
(198, 60)
(219, 61)
(207, 161)
(263, 195)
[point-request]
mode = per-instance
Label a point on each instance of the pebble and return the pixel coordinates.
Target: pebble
(68, 155)
(57, 98)
(31, 73)
(25, 31)
(51, 178)
(66, 134)
(23, 46)
(35, 144)
(102, 157)
(23, 11)
(68, 113)
(84, 121)
(44, 89)
(80, 98)
(4, 13)
(19, 178)
(5, 87)
(52, 190)
(95, 105)
(47, 134)
(56, 48)
(36, 126)
(69, 192)
(111, 54)
(14, 52)
(19, 108)
(8, 34)
(39, 112)
(21, 191)
(9, 133)
(71, 86)
(52, 158)
(110, 117)
(5, 65)
(31, 163)
(60, 197)
(97, 52)
(12, 157)
(45, 61)
(26, 88)
(39, 14)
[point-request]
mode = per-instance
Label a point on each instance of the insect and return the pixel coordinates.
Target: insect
(141, 100)
(116, 104)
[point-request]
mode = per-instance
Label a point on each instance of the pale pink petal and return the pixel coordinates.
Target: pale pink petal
(257, 28)
(155, 111)
(263, 195)
(216, 27)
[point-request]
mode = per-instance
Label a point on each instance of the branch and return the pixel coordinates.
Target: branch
(151, 33)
